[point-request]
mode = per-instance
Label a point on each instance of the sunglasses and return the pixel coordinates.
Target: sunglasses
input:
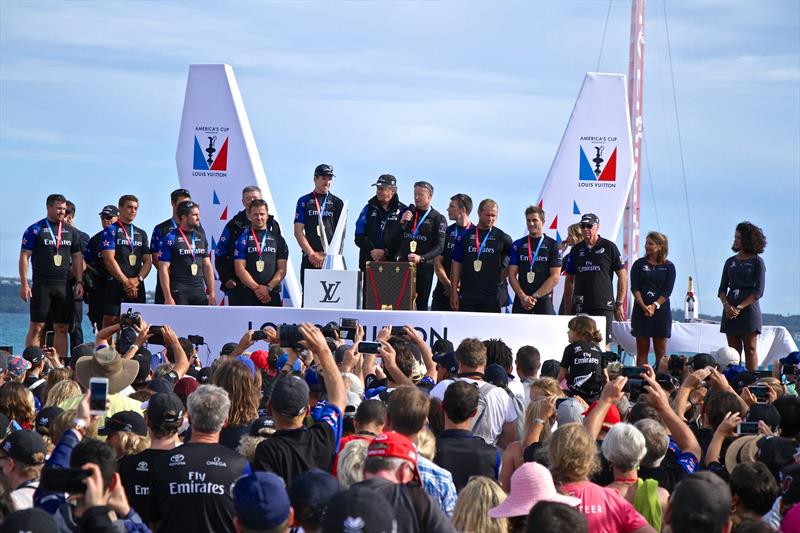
(587, 226)
(107, 217)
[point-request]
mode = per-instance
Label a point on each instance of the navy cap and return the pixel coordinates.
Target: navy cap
(160, 385)
(496, 375)
(324, 170)
(262, 427)
(204, 376)
(702, 360)
(46, 417)
(165, 409)
(289, 396)
(386, 179)
(261, 501)
(24, 446)
(33, 354)
(313, 489)
(32, 520)
(589, 218)
(359, 509)
(791, 359)
(776, 453)
(227, 348)
(109, 211)
(447, 360)
(126, 421)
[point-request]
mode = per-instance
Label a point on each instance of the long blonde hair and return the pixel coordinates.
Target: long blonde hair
(63, 390)
(472, 508)
(532, 412)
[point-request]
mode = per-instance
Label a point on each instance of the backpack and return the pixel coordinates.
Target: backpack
(519, 409)
(480, 425)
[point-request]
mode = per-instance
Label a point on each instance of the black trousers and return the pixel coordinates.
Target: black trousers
(544, 306)
(245, 296)
(490, 305)
(424, 285)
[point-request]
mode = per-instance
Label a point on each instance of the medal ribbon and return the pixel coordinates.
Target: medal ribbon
(532, 257)
(417, 224)
(129, 237)
(56, 237)
(324, 203)
(482, 244)
(191, 246)
(263, 245)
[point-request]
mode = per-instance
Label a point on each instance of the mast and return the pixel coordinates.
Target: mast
(635, 90)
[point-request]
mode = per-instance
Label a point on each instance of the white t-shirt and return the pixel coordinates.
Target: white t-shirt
(499, 405)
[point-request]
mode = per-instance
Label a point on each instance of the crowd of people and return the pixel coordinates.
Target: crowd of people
(318, 434)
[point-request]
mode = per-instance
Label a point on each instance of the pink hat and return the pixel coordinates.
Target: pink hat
(530, 483)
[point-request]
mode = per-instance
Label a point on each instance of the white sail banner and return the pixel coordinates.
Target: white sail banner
(593, 168)
(217, 156)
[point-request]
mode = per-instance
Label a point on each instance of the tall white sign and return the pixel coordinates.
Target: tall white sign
(217, 156)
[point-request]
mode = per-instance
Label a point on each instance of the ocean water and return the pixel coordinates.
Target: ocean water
(14, 327)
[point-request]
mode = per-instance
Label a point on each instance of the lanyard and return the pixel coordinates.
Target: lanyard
(56, 237)
(324, 202)
(415, 229)
(174, 224)
(482, 244)
(532, 258)
(455, 230)
(191, 246)
(129, 237)
(263, 245)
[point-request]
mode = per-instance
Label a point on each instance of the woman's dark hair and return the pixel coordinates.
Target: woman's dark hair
(555, 516)
(97, 452)
(752, 239)
(754, 485)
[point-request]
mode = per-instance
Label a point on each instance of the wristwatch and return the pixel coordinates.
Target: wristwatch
(617, 304)
(658, 305)
(739, 307)
(141, 279)
(79, 425)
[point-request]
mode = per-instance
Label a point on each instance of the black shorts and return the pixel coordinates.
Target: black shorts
(114, 295)
(189, 297)
(49, 298)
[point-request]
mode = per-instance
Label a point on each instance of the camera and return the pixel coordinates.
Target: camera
(675, 363)
(289, 335)
(632, 372)
(634, 387)
(259, 335)
(197, 340)
(156, 335)
(331, 330)
(130, 319)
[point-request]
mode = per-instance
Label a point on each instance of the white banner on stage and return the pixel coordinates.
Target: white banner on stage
(218, 325)
(593, 168)
(217, 156)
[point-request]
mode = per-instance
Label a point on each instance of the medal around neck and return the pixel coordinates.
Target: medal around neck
(477, 264)
(412, 246)
(531, 276)
(194, 269)
(57, 260)
(132, 260)
(260, 265)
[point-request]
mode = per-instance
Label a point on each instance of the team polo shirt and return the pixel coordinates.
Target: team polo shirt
(93, 255)
(136, 473)
(429, 236)
(583, 362)
(191, 485)
(494, 244)
(41, 241)
(307, 213)
(450, 237)
(594, 269)
(547, 257)
(273, 249)
(126, 242)
(176, 251)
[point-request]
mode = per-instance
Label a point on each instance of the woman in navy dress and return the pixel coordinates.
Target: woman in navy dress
(652, 279)
(741, 287)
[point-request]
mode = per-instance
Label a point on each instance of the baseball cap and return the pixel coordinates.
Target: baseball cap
(589, 218)
(185, 386)
(726, 356)
(530, 483)
(386, 179)
(496, 375)
(261, 501)
(109, 211)
(260, 359)
(82, 350)
(296, 367)
(33, 354)
(442, 346)
(248, 363)
(144, 360)
(126, 421)
(612, 417)
(262, 427)
(17, 366)
(324, 170)
(227, 348)
(45, 418)
(204, 375)
(160, 385)
(704, 501)
(776, 453)
(791, 359)
(702, 360)
(359, 509)
(447, 360)
(313, 490)
(165, 409)
(25, 446)
(393, 444)
(569, 411)
(32, 520)
(289, 396)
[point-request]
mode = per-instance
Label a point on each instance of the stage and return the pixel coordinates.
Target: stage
(219, 324)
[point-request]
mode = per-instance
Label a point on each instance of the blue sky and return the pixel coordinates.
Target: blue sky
(472, 96)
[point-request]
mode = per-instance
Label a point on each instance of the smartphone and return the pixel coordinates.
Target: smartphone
(49, 339)
(747, 428)
(99, 390)
(632, 371)
(761, 392)
(398, 331)
(69, 480)
(760, 374)
(369, 347)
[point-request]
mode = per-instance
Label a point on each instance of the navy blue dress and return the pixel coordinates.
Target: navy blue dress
(652, 282)
(740, 279)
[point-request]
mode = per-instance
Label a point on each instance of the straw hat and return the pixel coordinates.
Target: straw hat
(107, 363)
